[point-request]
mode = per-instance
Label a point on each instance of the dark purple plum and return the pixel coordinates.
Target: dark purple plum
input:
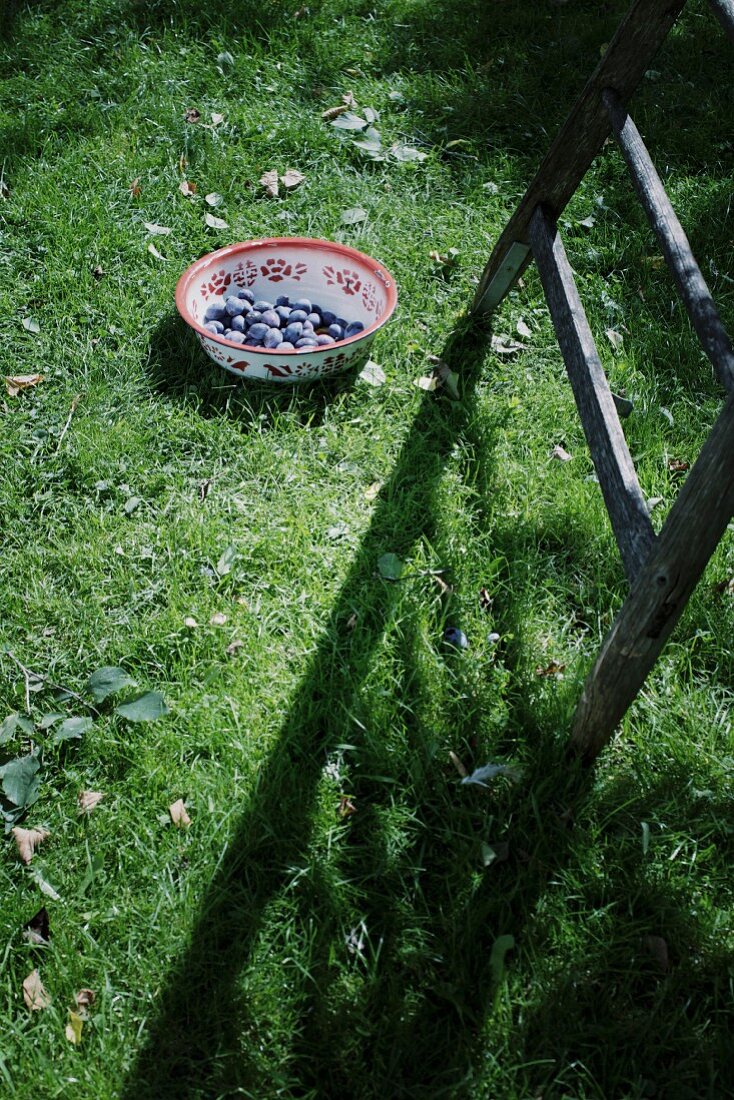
(304, 304)
(353, 328)
(238, 324)
(237, 337)
(293, 331)
(273, 338)
(336, 331)
(284, 313)
(215, 312)
(282, 300)
(258, 331)
(235, 307)
(262, 305)
(271, 318)
(298, 315)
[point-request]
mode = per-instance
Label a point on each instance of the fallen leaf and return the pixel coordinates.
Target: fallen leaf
(16, 382)
(42, 880)
(427, 382)
(373, 373)
(88, 800)
(667, 414)
(658, 948)
(72, 729)
(269, 183)
(85, 998)
(227, 560)
(190, 622)
(179, 817)
(347, 120)
(27, 840)
(390, 567)
(37, 931)
(98, 272)
(523, 330)
(505, 345)
(333, 112)
(677, 466)
(349, 100)
(442, 376)
(652, 502)
(588, 222)
(404, 152)
(187, 188)
(444, 588)
(217, 118)
(108, 680)
(157, 230)
(372, 490)
(154, 252)
(352, 621)
(11, 724)
(615, 338)
(346, 806)
(34, 994)
(20, 780)
(553, 668)
(213, 199)
(445, 259)
(458, 764)
(234, 646)
(354, 215)
(495, 853)
(561, 454)
(218, 619)
(192, 115)
(292, 178)
(31, 325)
(143, 708)
(215, 223)
(489, 771)
(135, 189)
(485, 600)
(225, 60)
(73, 1030)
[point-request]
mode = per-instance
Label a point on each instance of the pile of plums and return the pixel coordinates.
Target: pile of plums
(280, 325)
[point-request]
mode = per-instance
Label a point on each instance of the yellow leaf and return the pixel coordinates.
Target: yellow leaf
(179, 817)
(28, 840)
(74, 1027)
(34, 995)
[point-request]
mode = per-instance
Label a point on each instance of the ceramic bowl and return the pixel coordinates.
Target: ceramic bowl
(335, 276)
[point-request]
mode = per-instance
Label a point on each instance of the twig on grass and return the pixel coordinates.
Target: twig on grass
(65, 428)
(27, 673)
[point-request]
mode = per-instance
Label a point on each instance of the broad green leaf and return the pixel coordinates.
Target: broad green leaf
(49, 720)
(227, 560)
(106, 681)
(20, 782)
(349, 121)
(10, 726)
(143, 708)
(390, 567)
(72, 728)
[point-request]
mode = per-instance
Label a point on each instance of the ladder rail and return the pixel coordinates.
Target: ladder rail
(674, 243)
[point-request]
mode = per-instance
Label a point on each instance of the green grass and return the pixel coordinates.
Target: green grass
(278, 948)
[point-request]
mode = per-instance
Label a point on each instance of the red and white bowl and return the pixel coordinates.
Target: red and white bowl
(335, 276)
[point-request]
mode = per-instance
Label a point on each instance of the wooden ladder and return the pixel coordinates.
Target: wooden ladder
(662, 570)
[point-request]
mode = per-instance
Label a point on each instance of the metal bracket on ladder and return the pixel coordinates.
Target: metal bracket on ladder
(662, 570)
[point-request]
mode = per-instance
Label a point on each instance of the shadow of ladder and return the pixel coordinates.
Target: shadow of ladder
(662, 570)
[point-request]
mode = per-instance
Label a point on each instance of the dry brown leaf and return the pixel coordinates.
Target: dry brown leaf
(34, 994)
(505, 345)
(678, 466)
(292, 178)
(348, 99)
(27, 840)
(234, 646)
(458, 764)
(561, 454)
(215, 223)
(346, 806)
(135, 189)
(85, 998)
(269, 182)
(553, 668)
(373, 490)
(87, 800)
(444, 588)
(157, 230)
(334, 112)
(522, 329)
(73, 1030)
(187, 188)
(485, 600)
(154, 252)
(98, 272)
(37, 931)
(217, 118)
(179, 817)
(14, 383)
(192, 115)
(218, 619)
(190, 622)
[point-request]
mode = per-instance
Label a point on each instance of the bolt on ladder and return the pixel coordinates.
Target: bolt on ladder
(662, 569)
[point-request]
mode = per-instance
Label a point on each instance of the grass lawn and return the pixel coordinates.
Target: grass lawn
(342, 917)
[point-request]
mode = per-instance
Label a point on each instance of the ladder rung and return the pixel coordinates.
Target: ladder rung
(622, 494)
(673, 241)
(724, 12)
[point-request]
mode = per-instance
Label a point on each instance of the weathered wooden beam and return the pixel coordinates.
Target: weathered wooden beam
(724, 12)
(673, 241)
(622, 494)
(637, 40)
(695, 524)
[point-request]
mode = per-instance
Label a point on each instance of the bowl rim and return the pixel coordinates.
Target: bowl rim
(314, 243)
